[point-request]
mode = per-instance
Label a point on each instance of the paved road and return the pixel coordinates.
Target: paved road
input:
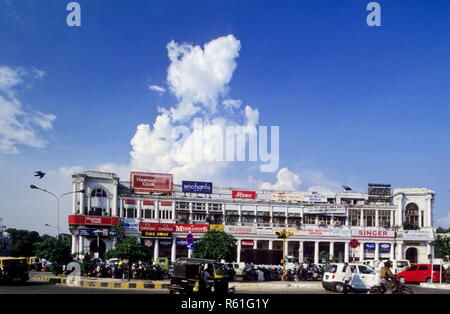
(35, 287)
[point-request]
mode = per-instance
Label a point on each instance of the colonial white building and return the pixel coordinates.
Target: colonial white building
(321, 222)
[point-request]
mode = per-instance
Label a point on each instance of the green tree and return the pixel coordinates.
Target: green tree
(55, 250)
(131, 250)
(324, 255)
(442, 247)
(410, 226)
(22, 242)
(216, 245)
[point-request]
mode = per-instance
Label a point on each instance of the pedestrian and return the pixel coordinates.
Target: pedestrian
(347, 278)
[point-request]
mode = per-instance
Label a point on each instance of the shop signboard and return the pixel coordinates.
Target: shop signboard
(369, 246)
(417, 234)
(152, 226)
(92, 232)
(384, 247)
(324, 210)
(156, 234)
(190, 228)
(375, 233)
(317, 231)
(151, 182)
(243, 194)
(130, 224)
(314, 198)
(247, 243)
(93, 220)
(165, 242)
(197, 187)
(148, 243)
(183, 242)
(239, 229)
(217, 227)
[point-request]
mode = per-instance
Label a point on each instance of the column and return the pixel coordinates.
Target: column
(377, 251)
(240, 214)
(346, 248)
(157, 209)
(82, 197)
(270, 244)
(332, 220)
(300, 251)
(361, 223)
(429, 216)
(420, 218)
(139, 209)
(391, 254)
(331, 249)
(74, 244)
(173, 211)
(88, 204)
(74, 199)
(81, 244)
(121, 215)
(361, 251)
(156, 250)
(376, 218)
(173, 255)
(399, 216)
(255, 244)
(316, 252)
(317, 220)
(190, 212)
(115, 208)
(238, 255)
(392, 218)
(271, 215)
(399, 250)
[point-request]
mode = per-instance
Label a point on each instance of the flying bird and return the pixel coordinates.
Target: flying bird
(39, 174)
(347, 188)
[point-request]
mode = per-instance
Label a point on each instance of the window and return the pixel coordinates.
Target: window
(384, 218)
(215, 207)
(355, 217)
(149, 213)
(165, 214)
(369, 218)
(324, 220)
(412, 268)
(331, 268)
(183, 217)
(310, 219)
(365, 270)
(412, 213)
(199, 206)
(423, 267)
(130, 213)
(181, 206)
(98, 193)
(199, 217)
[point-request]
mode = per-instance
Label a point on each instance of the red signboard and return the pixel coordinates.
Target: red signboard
(132, 202)
(191, 228)
(93, 220)
(354, 243)
(166, 203)
(373, 233)
(247, 243)
(243, 194)
(152, 226)
(147, 203)
(151, 182)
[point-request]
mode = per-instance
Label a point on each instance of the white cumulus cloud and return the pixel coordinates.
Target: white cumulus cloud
(286, 181)
(157, 88)
(20, 126)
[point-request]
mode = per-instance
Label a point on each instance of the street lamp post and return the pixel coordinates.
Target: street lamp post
(34, 187)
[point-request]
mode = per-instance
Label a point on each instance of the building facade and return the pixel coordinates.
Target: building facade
(322, 223)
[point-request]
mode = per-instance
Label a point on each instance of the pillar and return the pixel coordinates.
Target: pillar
(399, 250)
(156, 250)
(190, 212)
(376, 219)
(331, 249)
(377, 251)
(255, 244)
(361, 223)
(115, 208)
(139, 209)
(300, 251)
(346, 249)
(82, 197)
(428, 220)
(392, 219)
(157, 203)
(391, 254)
(270, 244)
(361, 251)
(238, 255)
(173, 252)
(81, 244)
(286, 247)
(74, 244)
(316, 252)
(74, 198)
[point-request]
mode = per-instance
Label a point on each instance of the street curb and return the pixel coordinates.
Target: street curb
(97, 284)
(435, 285)
(270, 286)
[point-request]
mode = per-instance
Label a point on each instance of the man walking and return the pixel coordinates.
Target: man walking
(347, 278)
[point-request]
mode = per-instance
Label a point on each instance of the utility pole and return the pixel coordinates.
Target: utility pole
(284, 235)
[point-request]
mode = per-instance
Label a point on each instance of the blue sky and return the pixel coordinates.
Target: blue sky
(355, 104)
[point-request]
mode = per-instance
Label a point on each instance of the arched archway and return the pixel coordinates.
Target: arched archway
(101, 249)
(411, 255)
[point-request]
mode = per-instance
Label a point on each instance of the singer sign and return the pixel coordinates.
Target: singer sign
(249, 195)
(151, 182)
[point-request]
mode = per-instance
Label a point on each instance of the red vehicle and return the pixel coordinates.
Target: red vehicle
(421, 273)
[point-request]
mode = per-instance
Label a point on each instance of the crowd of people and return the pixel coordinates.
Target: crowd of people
(300, 272)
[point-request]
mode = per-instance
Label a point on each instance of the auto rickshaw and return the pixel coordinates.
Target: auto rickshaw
(13, 269)
(34, 263)
(188, 277)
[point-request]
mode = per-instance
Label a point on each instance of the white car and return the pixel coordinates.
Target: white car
(363, 278)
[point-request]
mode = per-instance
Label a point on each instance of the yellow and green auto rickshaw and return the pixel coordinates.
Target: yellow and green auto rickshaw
(189, 277)
(34, 263)
(13, 269)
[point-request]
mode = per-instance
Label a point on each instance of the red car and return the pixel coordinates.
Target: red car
(421, 273)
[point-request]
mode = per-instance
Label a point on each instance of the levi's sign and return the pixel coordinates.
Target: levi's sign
(197, 187)
(151, 182)
(243, 194)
